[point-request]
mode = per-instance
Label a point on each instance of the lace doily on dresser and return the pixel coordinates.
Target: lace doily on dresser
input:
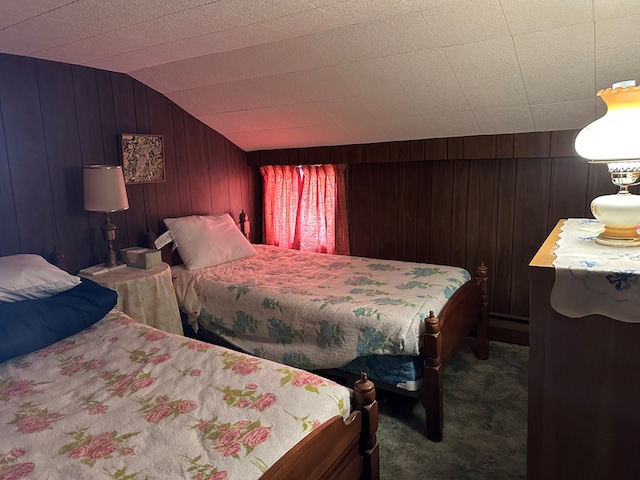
(593, 278)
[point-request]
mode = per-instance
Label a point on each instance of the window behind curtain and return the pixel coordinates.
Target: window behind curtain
(305, 207)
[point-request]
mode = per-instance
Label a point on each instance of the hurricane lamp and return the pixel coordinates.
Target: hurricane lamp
(614, 139)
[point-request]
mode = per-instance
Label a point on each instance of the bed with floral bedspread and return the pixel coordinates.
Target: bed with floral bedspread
(122, 400)
(316, 311)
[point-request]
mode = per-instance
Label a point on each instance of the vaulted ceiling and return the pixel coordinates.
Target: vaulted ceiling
(273, 74)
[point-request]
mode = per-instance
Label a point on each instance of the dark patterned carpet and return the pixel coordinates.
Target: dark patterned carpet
(485, 422)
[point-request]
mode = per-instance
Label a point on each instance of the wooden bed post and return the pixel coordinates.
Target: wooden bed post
(431, 394)
(482, 334)
(364, 400)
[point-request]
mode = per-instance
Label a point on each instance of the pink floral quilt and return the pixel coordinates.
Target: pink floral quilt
(126, 401)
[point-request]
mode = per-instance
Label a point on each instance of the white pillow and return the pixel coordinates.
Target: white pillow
(27, 276)
(206, 241)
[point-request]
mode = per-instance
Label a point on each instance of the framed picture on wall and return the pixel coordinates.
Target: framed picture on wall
(142, 158)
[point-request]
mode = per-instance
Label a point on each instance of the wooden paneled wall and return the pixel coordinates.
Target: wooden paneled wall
(57, 117)
(462, 201)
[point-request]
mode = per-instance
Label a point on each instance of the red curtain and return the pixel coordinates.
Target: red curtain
(305, 207)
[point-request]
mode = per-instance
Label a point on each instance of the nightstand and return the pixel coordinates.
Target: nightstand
(146, 295)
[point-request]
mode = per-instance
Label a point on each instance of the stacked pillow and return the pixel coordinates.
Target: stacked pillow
(205, 241)
(41, 304)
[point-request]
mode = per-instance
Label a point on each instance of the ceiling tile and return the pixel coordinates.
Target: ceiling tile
(526, 16)
(262, 10)
(15, 12)
(321, 84)
(345, 110)
(359, 11)
(563, 116)
(325, 135)
(305, 23)
(455, 121)
(250, 120)
(368, 131)
(421, 69)
(466, 22)
(617, 45)
(379, 77)
(305, 114)
(558, 65)
(488, 73)
(607, 9)
(505, 120)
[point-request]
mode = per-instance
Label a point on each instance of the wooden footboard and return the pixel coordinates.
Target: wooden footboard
(466, 309)
(339, 449)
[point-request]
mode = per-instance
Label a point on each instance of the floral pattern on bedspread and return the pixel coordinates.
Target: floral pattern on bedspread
(316, 310)
(122, 400)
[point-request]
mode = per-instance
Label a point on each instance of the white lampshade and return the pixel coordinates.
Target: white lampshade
(616, 135)
(104, 189)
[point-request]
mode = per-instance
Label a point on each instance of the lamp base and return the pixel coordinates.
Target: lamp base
(620, 215)
(618, 242)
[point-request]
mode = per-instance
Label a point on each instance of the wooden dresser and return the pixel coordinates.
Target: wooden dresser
(584, 388)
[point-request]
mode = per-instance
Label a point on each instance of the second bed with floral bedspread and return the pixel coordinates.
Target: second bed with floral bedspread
(316, 311)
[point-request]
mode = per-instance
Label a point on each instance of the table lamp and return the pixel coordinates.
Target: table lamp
(614, 139)
(104, 192)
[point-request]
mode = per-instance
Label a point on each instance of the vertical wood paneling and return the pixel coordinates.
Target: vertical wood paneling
(530, 225)
(27, 155)
(386, 207)
(55, 118)
(482, 217)
(407, 228)
(441, 213)
(568, 189)
(125, 111)
(198, 166)
(423, 217)
(183, 177)
(218, 173)
(167, 192)
(62, 143)
(361, 213)
(10, 239)
(459, 213)
(501, 269)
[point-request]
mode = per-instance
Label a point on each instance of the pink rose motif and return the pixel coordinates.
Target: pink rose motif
(18, 452)
(244, 367)
(78, 358)
(32, 424)
(244, 403)
(127, 451)
(161, 359)
(17, 471)
(196, 373)
(154, 335)
(218, 476)
(159, 413)
(198, 346)
(242, 423)
(251, 386)
(264, 402)
(203, 425)
(306, 379)
(72, 369)
(19, 389)
(256, 436)
(54, 415)
(103, 450)
(80, 452)
(97, 410)
(227, 436)
(162, 399)
(186, 406)
(231, 450)
(142, 383)
(97, 364)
